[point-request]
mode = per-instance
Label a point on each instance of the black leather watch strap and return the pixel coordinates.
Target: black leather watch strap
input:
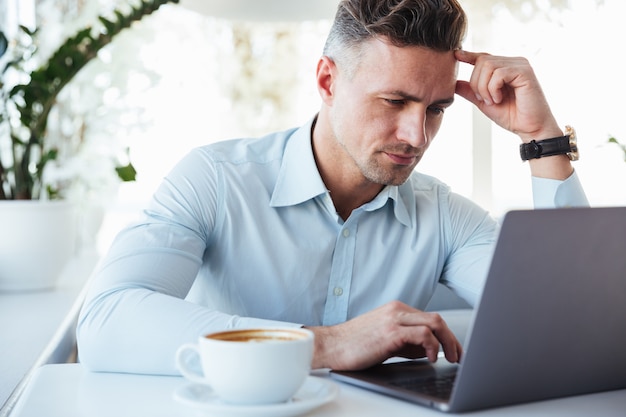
(547, 147)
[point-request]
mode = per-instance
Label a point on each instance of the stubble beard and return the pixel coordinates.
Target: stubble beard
(377, 168)
(377, 172)
(386, 176)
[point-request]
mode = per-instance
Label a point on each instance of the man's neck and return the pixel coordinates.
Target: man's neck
(348, 188)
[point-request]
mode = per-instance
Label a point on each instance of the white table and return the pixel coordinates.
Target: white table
(68, 390)
(37, 327)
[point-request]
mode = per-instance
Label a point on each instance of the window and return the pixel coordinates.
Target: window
(573, 46)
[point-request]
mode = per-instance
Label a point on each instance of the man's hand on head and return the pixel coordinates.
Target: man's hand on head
(507, 91)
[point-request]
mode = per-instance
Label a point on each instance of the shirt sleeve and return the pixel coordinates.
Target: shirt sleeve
(470, 238)
(473, 234)
(549, 193)
(135, 315)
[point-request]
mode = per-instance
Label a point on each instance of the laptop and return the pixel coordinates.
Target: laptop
(551, 321)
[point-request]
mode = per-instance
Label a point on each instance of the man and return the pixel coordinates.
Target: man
(327, 226)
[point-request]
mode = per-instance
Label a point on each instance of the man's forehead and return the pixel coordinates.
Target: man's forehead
(408, 69)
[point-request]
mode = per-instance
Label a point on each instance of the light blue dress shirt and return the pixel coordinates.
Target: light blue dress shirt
(244, 233)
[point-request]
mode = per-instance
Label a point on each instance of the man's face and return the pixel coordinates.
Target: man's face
(387, 113)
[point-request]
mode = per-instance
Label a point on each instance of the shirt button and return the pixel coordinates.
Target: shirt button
(346, 232)
(338, 291)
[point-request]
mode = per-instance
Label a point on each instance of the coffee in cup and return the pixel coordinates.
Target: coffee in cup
(250, 366)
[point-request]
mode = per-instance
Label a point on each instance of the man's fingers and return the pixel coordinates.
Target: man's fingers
(452, 350)
(466, 56)
(432, 321)
(464, 89)
(488, 78)
(430, 331)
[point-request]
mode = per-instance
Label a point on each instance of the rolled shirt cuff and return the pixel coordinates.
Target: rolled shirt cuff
(550, 193)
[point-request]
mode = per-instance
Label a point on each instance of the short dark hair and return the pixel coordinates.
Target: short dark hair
(434, 24)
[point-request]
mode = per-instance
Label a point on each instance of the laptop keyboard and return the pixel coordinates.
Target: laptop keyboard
(436, 386)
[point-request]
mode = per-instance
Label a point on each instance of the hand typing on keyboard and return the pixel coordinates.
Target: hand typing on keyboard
(394, 329)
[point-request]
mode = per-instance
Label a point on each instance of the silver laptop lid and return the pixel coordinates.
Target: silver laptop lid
(552, 318)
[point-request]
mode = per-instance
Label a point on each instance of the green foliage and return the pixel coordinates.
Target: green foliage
(24, 108)
(621, 146)
(126, 172)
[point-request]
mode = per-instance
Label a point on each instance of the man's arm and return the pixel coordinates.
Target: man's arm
(507, 91)
(135, 315)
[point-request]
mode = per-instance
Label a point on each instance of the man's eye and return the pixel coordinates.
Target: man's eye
(394, 102)
(436, 109)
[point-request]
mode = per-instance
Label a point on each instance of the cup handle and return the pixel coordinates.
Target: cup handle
(188, 363)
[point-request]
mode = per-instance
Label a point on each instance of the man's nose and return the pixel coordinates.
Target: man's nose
(412, 129)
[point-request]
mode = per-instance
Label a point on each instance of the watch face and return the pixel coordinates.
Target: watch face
(573, 153)
(573, 144)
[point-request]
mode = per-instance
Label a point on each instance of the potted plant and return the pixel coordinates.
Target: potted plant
(27, 97)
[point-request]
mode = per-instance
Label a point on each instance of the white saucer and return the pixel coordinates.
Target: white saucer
(313, 393)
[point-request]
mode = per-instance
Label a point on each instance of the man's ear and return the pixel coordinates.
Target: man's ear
(326, 77)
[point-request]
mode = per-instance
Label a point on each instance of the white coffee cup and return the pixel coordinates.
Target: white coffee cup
(250, 366)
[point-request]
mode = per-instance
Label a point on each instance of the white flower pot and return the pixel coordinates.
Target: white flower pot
(37, 239)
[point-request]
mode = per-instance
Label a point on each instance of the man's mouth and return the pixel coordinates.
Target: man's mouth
(401, 159)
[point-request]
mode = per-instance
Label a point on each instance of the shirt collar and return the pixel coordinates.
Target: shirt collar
(299, 180)
(403, 202)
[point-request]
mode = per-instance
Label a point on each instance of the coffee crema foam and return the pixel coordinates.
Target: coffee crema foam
(256, 336)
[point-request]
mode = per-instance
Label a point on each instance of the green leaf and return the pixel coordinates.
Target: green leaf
(126, 173)
(53, 193)
(51, 155)
(622, 146)
(108, 25)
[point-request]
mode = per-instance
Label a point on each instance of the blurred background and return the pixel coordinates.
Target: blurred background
(201, 71)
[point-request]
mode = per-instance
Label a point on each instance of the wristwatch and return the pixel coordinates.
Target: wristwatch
(548, 147)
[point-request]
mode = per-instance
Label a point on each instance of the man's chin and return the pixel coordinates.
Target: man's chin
(394, 180)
